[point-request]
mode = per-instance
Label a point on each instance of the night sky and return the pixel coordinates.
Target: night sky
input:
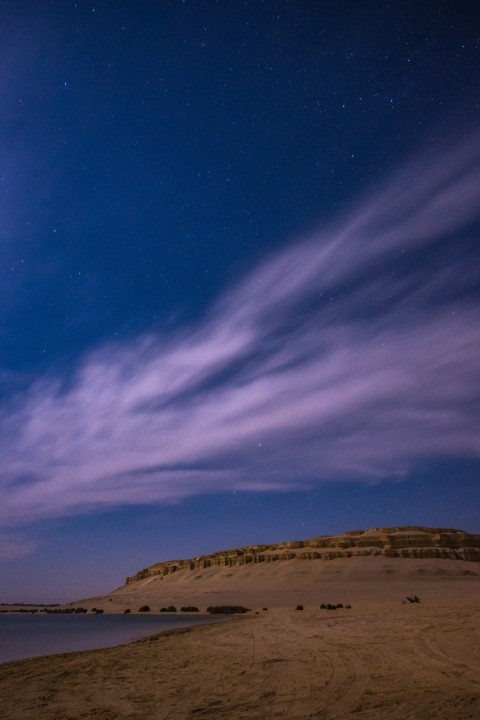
(239, 278)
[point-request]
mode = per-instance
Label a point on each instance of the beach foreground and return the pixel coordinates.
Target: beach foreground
(374, 661)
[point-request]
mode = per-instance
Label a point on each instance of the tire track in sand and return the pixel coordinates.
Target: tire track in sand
(202, 682)
(343, 692)
(298, 696)
(447, 661)
(288, 677)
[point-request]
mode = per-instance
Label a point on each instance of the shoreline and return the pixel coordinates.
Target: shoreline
(24, 638)
(147, 638)
(369, 662)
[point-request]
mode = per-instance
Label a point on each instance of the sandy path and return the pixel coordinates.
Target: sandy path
(374, 662)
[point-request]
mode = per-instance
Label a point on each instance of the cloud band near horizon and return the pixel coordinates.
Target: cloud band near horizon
(353, 354)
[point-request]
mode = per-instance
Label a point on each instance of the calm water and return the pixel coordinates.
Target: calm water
(25, 636)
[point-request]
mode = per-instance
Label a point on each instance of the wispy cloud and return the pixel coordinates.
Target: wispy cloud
(15, 545)
(352, 354)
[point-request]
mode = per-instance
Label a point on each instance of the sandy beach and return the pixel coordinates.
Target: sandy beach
(375, 661)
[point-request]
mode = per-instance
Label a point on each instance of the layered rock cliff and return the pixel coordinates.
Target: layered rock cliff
(401, 542)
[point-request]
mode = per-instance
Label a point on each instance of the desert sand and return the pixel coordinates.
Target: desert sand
(383, 658)
(380, 659)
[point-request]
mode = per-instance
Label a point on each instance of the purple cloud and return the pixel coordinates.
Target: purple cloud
(352, 354)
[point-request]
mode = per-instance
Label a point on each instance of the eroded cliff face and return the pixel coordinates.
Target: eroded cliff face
(403, 542)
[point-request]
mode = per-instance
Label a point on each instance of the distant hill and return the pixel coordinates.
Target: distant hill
(403, 542)
(362, 566)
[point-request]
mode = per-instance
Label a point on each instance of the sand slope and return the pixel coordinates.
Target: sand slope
(286, 584)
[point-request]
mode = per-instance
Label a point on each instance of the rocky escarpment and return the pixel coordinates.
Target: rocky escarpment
(402, 542)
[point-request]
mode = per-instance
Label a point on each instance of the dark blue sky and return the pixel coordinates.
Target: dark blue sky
(239, 267)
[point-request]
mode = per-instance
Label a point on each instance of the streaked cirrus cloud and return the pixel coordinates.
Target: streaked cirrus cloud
(351, 354)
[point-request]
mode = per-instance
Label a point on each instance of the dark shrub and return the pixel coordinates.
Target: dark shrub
(413, 599)
(323, 606)
(299, 607)
(340, 605)
(265, 608)
(189, 608)
(227, 609)
(125, 612)
(99, 611)
(144, 608)
(348, 607)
